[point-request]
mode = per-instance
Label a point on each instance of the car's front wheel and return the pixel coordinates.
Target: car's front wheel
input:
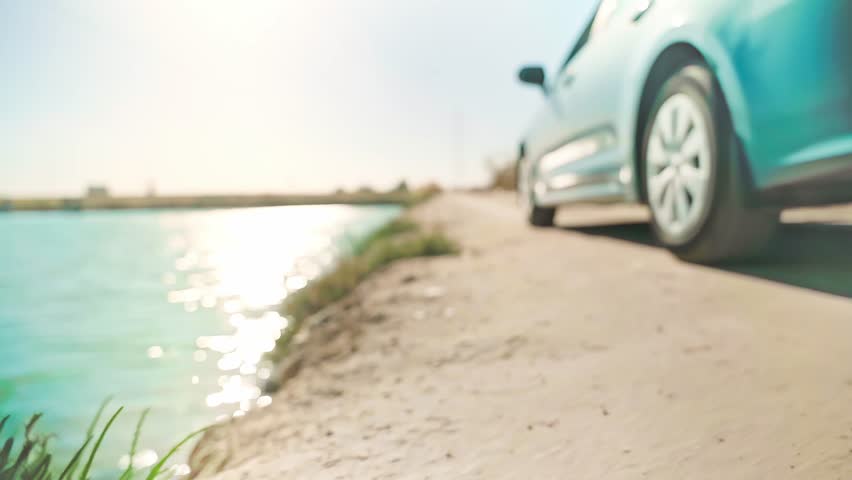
(536, 216)
(694, 174)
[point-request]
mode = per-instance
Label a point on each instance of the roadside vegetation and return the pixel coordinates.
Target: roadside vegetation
(503, 176)
(34, 460)
(400, 195)
(397, 240)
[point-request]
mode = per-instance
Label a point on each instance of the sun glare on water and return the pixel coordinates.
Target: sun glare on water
(242, 265)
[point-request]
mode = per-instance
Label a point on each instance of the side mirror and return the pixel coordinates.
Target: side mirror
(533, 75)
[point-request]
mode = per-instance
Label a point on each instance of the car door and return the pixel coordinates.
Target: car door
(588, 95)
(796, 74)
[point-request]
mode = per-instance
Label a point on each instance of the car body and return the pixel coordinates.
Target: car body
(783, 67)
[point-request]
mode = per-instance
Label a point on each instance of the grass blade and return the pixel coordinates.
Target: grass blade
(90, 433)
(133, 446)
(28, 430)
(39, 470)
(23, 456)
(33, 468)
(30, 442)
(3, 422)
(91, 430)
(7, 450)
(72, 465)
(84, 475)
(155, 470)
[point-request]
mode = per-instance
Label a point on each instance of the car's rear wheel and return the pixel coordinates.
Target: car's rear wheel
(694, 174)
(536, 216)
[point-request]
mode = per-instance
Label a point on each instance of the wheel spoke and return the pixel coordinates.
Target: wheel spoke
(693, 145)
(656, 151)
(658, 184)
(693, 180)
(667, 208)
(682, 122)
(665, 123)
(681, 200)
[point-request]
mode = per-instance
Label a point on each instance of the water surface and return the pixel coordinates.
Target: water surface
(170, 310)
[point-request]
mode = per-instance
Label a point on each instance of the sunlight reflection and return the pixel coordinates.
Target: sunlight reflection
(143, 459)
(232, 306)
(208, 301)
(296, 282)
(234, 391)
(240, 265)
(180, 470)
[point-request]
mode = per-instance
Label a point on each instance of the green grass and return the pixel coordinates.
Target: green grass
(397, 240)
(33, 460)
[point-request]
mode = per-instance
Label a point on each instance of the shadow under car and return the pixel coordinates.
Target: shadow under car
(816, 256)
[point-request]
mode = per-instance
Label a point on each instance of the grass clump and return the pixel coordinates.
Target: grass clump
(397, 240)
(33, 460)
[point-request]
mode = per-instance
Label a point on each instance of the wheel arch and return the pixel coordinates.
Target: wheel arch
(676, 54)
(683, 45)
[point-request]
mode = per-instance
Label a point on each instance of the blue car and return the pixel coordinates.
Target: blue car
(717, 114)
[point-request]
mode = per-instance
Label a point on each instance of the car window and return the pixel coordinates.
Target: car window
(581, 42)
(607, 10)
(605, 13)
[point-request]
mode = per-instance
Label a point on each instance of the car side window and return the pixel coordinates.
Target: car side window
(605, 12)
(581, 42)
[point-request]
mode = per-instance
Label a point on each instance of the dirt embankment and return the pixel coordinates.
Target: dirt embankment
(580, 352)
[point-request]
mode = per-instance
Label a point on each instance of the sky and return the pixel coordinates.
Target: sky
(250, 96)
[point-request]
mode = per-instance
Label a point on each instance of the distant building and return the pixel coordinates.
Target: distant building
(97, 192)
(152, 190)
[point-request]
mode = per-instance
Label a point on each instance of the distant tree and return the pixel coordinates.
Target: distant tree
(402, 187)
(366, 189)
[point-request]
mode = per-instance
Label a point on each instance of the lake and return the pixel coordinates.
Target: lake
(167, 310)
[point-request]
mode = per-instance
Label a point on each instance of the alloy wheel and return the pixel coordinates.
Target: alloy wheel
(678, 165)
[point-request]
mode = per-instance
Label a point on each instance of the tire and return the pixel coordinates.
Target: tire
(536, 216)
(541, 217)
(694, 174)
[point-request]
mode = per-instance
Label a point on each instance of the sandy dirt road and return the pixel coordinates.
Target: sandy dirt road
(580, 352)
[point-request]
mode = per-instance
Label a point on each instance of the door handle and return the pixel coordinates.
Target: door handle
(643, 8)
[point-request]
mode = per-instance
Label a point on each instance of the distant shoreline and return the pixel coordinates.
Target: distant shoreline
(205, 201)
